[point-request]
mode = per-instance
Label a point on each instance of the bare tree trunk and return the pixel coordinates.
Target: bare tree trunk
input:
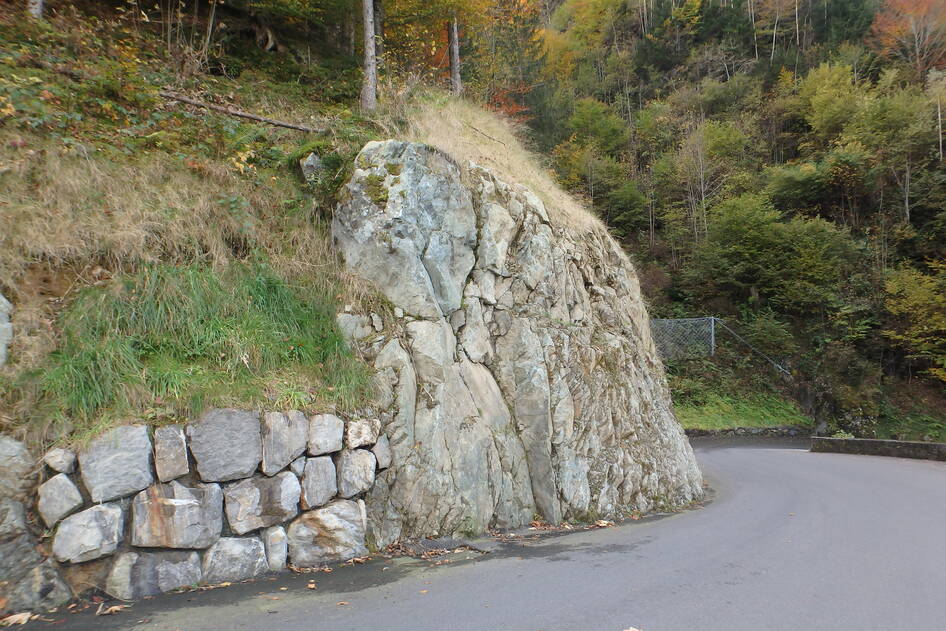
(797, 29)
(379, 31)
(453, 37)
(369, 87)
(774, 33)
(755, 39)
(35, 7)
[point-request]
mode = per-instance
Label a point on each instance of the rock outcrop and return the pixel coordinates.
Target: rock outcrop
(517, 372)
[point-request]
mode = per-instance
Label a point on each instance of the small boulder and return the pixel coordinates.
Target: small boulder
(139, 574)
(355, 471)
(117, 463)
(90, 534)
(285, 437)
(333, 533)
(311, 166)
(41, 588)
(226, 444)
(297, 466)
(234, 559)
(326, 434)
(261, 501)
(175, 516)
(60, 460)
(382, 452)
(277, 548)
(362, 432)
(58, 497)
(170, 453)
(319, 483)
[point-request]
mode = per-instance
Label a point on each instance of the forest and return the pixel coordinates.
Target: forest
(778, 164)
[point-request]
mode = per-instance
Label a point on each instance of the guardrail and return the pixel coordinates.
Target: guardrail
(877, 447)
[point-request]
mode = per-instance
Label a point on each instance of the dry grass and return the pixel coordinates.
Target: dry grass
(467, 132)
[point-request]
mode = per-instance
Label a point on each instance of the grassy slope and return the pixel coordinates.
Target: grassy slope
(162, 258)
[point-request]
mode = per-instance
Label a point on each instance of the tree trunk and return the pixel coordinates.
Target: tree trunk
(939, 124)
(369, 88)
(774, 33)
(35, 7)
(453, 37)
(379, 31)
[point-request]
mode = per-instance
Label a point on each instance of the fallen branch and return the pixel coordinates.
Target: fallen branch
(239, 113)
(484, 133)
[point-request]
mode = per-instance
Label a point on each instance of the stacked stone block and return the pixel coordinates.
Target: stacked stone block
(226, 498)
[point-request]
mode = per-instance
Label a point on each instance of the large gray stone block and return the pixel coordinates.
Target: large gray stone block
(175, 516)
(319, 483)
(226, 444)
(17, 472)
(362, 432)
(234, 559)
(90, 534)
(285, 437)
(355, 471)
(333, 533)
(58, 497)
(326, 434)
(138, 574)
(117, 463)
(261, 501)
(170, 453)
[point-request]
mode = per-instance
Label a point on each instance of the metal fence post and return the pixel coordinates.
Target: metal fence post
(712, 336)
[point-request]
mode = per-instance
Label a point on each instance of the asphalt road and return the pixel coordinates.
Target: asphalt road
(792, 540)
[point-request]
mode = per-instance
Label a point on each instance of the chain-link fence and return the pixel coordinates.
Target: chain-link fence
(680, 338)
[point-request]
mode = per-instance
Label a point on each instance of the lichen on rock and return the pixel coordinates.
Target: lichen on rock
(522, 377)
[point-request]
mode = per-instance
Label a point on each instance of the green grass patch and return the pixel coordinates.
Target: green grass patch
(171, 340)
(751, 410)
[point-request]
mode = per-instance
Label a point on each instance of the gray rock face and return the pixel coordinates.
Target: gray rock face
(285, 437)
(117, 463)
(326, 434)
(16, 474)
(226, 444)
(135, 575)
(90, 534)
(234, 559)
(362, 432)
(355, 471)
(318, 482)
(27, 582)
(277, 548)
(382, 452)
(60, 460)
(58, 497)
(261, 501)
(175, 516)
(528, 380)
(170, 453)
(333, 533)
(6, 329)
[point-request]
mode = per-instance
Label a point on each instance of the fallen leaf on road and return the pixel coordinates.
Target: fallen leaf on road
(310, 586)
(424, 591)
(109, 611)
(16, 618)
(343, 602)
(604, 523)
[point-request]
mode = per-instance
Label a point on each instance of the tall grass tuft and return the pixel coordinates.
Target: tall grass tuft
(182, 337)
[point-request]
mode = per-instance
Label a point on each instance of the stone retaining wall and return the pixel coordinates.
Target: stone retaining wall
(875, 447)
(236, 494)
(780, 431)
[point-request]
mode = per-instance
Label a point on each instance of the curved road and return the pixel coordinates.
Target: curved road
(793, 541)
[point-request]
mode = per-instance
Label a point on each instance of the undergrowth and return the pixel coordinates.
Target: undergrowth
(750, 410)
(170, 340)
